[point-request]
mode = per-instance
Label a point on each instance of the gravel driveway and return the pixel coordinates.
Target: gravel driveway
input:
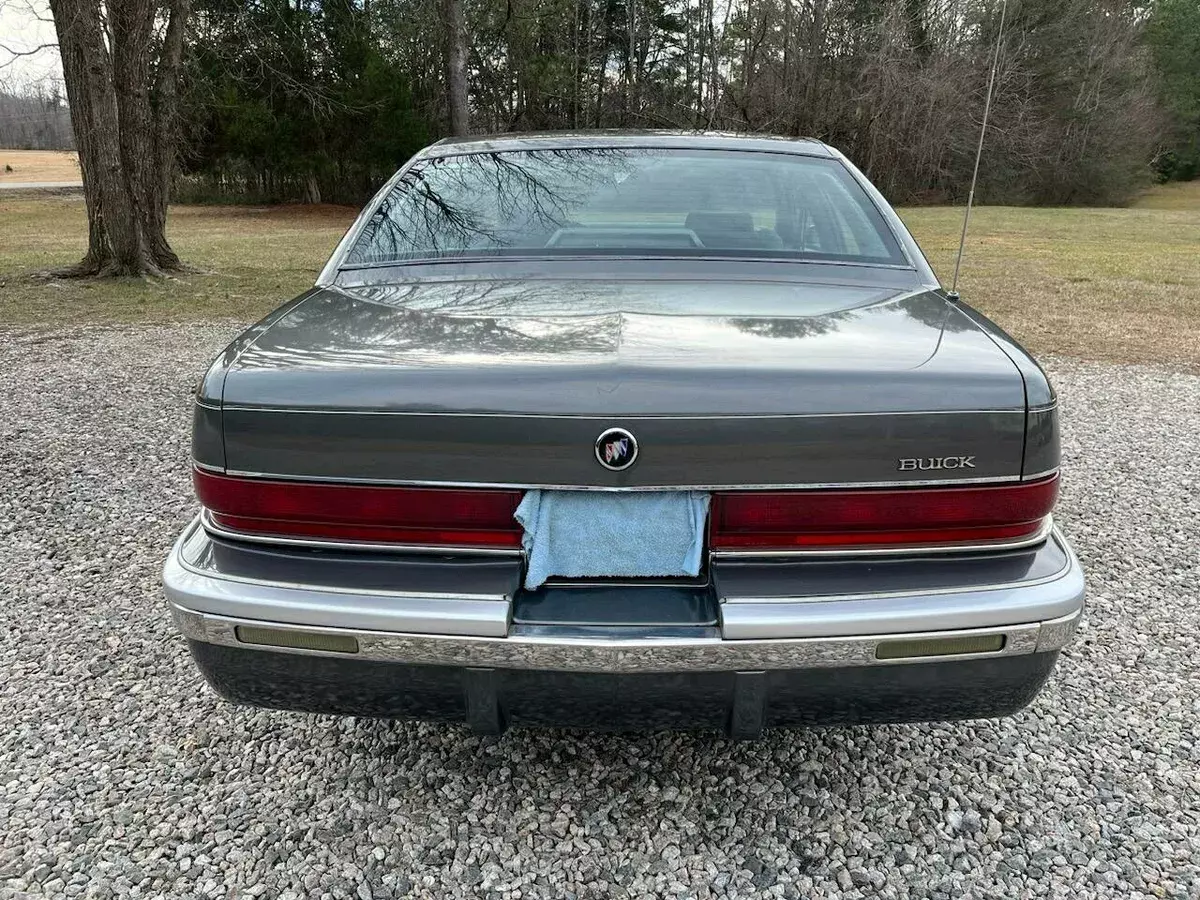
(122, 775)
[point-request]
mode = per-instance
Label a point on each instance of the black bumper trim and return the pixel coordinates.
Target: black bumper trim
(484, 713)
(741, 704)
(748, 712)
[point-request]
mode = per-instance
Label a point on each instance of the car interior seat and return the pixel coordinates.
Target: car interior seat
(730, 231)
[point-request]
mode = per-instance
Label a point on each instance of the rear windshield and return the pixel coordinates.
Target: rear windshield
(632, 202)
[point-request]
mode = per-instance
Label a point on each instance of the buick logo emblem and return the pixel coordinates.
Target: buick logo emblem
(616, 449)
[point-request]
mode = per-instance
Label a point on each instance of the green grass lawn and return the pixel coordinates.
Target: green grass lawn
(249, 260)
(1110, 284)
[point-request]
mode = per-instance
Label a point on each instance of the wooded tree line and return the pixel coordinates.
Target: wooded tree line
(34, 117)
(322, 98)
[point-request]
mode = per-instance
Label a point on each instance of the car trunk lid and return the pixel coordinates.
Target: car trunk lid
(496, 382)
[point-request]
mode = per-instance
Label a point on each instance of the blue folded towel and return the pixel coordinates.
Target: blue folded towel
(579, 534)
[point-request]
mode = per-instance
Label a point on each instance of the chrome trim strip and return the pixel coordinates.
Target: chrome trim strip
(1038, 476)
(216, 470)
(558, 583)
(900, 234)
(1038, 537)
(615, 257)
(525, 486)
(213, 528)
(1057, 633)
(604, 419)
(451, 147)
(628, 655)
(329, 272)
(1045, 407)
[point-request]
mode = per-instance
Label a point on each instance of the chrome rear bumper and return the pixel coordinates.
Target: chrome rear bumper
(773, 644)
(475, 628)
(580, 652)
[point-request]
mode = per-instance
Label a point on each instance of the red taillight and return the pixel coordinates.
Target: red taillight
(376, 514)
(792, 520)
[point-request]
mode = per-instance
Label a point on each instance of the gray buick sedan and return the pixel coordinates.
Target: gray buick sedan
(627, 430)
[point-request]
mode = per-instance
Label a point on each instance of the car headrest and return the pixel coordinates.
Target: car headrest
(719, 222)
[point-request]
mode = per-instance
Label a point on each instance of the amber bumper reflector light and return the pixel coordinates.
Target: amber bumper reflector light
(296, 640)
(981, 643)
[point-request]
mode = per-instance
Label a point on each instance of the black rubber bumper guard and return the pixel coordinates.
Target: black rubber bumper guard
(742, 704)
(485, 714)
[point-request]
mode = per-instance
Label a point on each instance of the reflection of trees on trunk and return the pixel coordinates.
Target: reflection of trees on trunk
(928, 309)
(329, 334)
(433, 324)
(501, 297)
(791, 328)
(610, 290)
(493, 336)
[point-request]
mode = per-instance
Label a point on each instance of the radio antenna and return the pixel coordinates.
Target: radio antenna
(987, 108)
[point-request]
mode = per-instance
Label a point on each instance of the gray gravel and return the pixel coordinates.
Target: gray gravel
(122, 775)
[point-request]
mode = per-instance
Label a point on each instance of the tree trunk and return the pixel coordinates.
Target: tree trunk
(456, 67)
(312, 188)
(121, 145)
(627, 76)
(131, 29)
(87, 142)
(170, 64)
(788, 25)
(575, 65)
(813, 63)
